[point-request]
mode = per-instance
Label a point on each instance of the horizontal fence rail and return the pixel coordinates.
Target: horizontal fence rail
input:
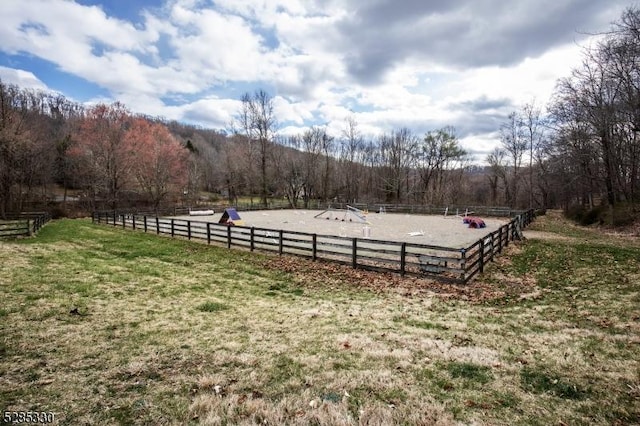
(443, 263)
(23, 224)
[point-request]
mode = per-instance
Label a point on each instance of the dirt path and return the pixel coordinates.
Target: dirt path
(543, 235)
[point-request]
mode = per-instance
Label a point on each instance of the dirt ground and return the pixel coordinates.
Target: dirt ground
(420, 229)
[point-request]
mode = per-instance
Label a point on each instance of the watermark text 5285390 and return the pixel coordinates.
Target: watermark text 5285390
(26, 417)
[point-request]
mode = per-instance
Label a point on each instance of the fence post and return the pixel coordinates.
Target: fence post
(489, 243)
(280, 246)
(314, 246)
(482, 255)
(134, 222)
(229, 236)
(188, 229)
(157, 225)
(144, 218)
(251, 239)
(208, 233)
(403, 259)
(493, 245)
(506, 240)
(354, 253)
(173, 231)
(124, 221)
(463, 264)
(115, 219)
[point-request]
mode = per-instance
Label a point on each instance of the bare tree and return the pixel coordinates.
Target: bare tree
(498, 172)
(352, 145)
(439, 153)
(258, 122)
(326, 146)
(602, 98)
(160, 167)
(397, 155)
(531, 122)
(371, 158)
(14, 141)
(64, 117)
(621, 50)
(289, 163)
(107, 156)
(514, 143)
(311, 144)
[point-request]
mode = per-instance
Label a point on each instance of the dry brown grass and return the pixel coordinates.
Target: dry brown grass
(105, 326)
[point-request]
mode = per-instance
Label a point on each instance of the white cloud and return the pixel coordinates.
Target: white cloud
(219, 113)
(390, 64)
(296, 112)
(217, 46)
(531, 78)
(21, 78)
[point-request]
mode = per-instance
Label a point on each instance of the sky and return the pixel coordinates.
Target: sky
(388, 64)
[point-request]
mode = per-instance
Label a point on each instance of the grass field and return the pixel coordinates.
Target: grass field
(106, 326)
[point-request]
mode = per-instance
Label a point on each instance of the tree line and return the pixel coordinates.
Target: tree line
(103, 151)
(111, 158)
(595, 116)
(394, 167)
(580, 150)
(583, 151)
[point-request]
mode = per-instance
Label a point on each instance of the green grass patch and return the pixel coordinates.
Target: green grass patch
(540, 381)
(212, 307)
(469, 372)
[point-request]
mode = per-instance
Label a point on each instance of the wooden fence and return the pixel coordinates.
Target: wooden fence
(23, 224)
(485, 249)
(443, 263)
